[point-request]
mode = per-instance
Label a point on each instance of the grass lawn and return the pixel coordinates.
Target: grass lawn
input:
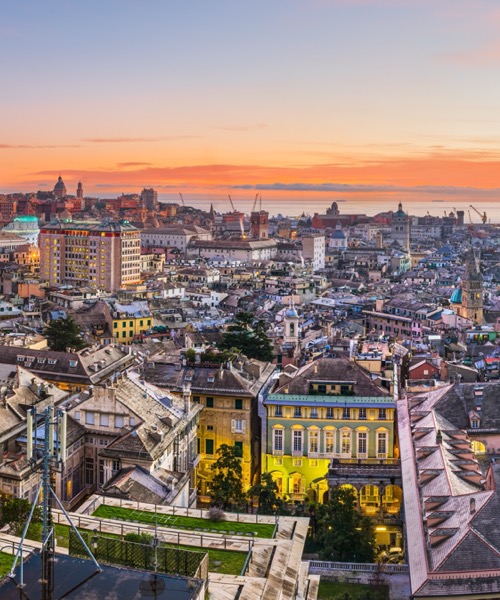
(219, 561)
(5, 563)
(262, 530)
(329, 590)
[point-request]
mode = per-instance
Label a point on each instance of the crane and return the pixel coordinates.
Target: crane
(254, 205)
(484, 216)
(182, 199)
(232, 205)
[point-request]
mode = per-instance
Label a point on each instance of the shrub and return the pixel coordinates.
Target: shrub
(139, 538)
(216, 514)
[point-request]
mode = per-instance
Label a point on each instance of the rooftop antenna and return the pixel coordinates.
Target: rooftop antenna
(53, 423)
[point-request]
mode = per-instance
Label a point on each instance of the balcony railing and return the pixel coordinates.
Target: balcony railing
(277, 452)
(298, 453)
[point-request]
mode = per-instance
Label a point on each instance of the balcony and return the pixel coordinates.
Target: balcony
(297, 453)
(277, 452)
(193, 462)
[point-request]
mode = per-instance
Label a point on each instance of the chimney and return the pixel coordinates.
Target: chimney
(439, 437)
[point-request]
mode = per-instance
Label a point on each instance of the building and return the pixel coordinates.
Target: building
(59, 189)
(149, 198)
(173, 237)
(400, 228)
(25, 227)
(451, 500)
(229, 395)
(129, 320)
(313, 249)
(259, 225)
(328, 410)
(471, 306)
(246, 251)
(104, 255)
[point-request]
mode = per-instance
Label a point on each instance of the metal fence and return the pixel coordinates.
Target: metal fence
(316, 566)
(171, 561)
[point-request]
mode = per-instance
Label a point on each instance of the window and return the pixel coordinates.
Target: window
(362, 444)
(104, 420)
(89, 471)
(330, 413)
(313, 462)
(196, 398)
(132, 421)
(239, 448)
(209, 402)
(278, 461)
(118, 421)
(278, 440)
(238, 425)
(321, 388)
(382, 414)
(297, 440)
(297, 462)
(346, 444)
(362, 414)
(297, 412)
(346, 413)
(209, 447)
(329, 441)
(314, 413)
(313, 441)
(115, 466)
(115, 325)
(238, 404)
(278, 411)
(77, 415)
(131, 323)
(89, 418)
(475, 424)
(381, 444)
(210, 427)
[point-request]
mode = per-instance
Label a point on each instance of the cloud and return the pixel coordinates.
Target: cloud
(37, 146)
(363, 188)
(240, 128)
(133, 164)
(129, 140)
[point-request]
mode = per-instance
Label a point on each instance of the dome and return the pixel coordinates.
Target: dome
(400, 212)
(338, 234)
(291, 313)
(60, 184)
(456, 297)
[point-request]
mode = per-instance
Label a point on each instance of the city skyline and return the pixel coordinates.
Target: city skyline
(364, 100)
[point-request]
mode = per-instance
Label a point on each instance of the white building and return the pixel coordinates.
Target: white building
(313, 249)
(25, 227)
(246, 251)
(173, 237)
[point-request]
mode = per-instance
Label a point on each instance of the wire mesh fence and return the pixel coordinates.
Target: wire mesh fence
(146, 556)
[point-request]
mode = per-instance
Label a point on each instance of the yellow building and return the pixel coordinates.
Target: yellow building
(130, 320)
(229, 395)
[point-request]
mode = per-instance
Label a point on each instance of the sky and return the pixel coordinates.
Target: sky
(298, 100)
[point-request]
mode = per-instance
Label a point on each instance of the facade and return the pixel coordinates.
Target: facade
(25, 227)
(313, 249)
(149, 198)
(259, 225)
(130, 320)
(246, 251)
(229, 396)
(173, 237)
(328, 410)
(104, 255)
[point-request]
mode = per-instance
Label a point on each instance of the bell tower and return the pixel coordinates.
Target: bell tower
(472, 289)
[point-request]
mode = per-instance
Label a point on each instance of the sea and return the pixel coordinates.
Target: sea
(296, 207)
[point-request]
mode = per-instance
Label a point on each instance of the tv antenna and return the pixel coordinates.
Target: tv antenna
(47, 456)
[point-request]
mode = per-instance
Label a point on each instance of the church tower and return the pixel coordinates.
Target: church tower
(400, 228)
(291, 323)
(79, 191)
(259, 225)
(472, 290)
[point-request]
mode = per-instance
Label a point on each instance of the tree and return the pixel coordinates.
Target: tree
(266, 494)
(248, 337)
(62, 334)
(15, 511)
(343, 533)
(226, 488)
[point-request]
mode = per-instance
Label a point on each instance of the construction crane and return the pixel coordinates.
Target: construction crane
(182, 199)
(484, 216)
(254, 206)
(232, 205)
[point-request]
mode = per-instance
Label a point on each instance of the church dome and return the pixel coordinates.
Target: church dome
(291, 313)
(400, 212)
(456, 297)
(59, 188)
